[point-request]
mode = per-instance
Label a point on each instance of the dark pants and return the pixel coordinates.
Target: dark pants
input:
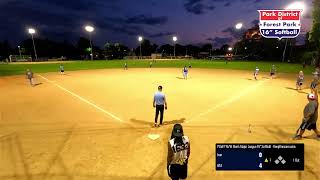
(159, 108)
(178, 171)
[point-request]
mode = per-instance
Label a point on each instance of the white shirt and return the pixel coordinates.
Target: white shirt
(159, 98)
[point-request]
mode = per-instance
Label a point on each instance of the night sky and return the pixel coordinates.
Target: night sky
(193, 21)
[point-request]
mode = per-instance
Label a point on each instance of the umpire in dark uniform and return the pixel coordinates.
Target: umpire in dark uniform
(160, 103)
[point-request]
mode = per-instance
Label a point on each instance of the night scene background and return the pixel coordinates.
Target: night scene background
(196, 22)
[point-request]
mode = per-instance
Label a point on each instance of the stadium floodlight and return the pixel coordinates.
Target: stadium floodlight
(238, 25)
(20, 52)
(174, 38)
(230, 49)
(140, 39)
(297, 6)
(90, 29)
(33, 31)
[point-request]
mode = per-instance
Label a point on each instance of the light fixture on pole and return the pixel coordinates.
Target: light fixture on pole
(238, 26)
(20, 52)
(140, 39)
(230, 49)
(90, 29)
(33, 31)
(174, 38)
(293, 6)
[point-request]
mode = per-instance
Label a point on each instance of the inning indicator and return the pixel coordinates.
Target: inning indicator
(259, 157)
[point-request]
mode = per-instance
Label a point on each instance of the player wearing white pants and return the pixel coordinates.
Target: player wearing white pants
(185, 72)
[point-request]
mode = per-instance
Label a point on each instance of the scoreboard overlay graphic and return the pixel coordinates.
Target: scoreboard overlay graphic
(280, 23)
(265, 157)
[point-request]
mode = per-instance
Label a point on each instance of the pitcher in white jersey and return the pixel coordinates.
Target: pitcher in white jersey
(178, 154)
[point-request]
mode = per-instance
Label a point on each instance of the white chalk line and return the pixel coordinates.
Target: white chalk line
(229, 100)
(82, 99)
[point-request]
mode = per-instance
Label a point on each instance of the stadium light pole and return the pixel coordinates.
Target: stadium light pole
(33, 31)
(293, 6)
(140, 39)
(20, 52)
(90, 29)
(174, 38)
(238, 26)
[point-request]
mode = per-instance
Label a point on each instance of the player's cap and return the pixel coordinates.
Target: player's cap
(177, 130)
(311, 96)
(159, 87)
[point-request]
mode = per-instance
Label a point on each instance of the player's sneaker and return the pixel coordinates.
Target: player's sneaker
(297, 137)
(155, 125)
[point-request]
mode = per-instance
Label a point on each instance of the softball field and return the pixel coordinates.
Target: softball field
(95, 124)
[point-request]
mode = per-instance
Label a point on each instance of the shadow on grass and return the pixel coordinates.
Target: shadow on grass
(151, 123)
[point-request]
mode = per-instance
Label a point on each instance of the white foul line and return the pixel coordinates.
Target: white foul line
(82, 99)
(228, 101)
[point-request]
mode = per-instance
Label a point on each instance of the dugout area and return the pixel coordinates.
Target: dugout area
(94, 124)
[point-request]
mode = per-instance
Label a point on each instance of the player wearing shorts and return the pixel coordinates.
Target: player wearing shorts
(61, 69)
(314, 84)
(310, 117)
(178, 154)
(185, 72)
(300, 80)
(256, 72)
(273, 71)
(29, 75)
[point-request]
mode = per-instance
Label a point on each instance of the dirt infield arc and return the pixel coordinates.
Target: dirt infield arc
(94, 124)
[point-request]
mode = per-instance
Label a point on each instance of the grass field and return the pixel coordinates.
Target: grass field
(94, 124)
(14, 69)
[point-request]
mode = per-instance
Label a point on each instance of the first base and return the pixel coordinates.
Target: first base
(153, 136)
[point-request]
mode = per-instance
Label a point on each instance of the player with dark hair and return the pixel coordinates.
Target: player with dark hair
(178, 154)
(310, 117)
(160, 103)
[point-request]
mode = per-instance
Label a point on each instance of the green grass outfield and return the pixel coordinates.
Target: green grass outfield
(15, 69)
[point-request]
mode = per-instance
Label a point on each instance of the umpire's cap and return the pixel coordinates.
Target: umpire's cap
(311, 96)
(177, 130)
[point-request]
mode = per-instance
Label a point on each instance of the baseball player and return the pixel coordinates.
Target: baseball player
(314, 84)
(300, 80)
(178, 154)
(61, 67)
(273, 71)
(125, 66)
(150, 64)
(160, 103)
(185, 72)
(256, 72)
(29, 75)
(310, 117)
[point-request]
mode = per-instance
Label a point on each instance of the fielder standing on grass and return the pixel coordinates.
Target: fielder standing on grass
(178, 154)
(310, 117)
(29, 75)
(160, 103)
